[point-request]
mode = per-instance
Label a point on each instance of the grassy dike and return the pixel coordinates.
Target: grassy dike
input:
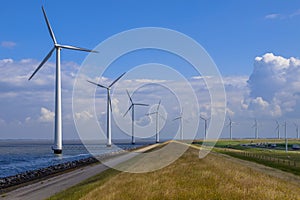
(189, 177)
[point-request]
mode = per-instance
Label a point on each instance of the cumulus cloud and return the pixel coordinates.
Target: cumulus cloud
(8, 44)
(274, 85)
(46, 115)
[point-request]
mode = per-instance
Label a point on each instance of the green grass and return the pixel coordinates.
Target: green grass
(288, 166)
(266, 156)
(189, 177)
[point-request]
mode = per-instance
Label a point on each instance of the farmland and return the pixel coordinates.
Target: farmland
(262, 152)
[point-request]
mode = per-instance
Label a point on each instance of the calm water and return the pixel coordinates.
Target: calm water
(18, 156)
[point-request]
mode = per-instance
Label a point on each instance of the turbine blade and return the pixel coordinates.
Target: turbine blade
(42, 63)
(49, 26)
(128, 110)
(97, 84)
(76, 48)
(141, 104)
(129, 97)
(158, 105)
(151, 113)
(176, 118)
(116, 80)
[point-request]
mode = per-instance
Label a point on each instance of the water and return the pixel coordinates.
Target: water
(17, 156)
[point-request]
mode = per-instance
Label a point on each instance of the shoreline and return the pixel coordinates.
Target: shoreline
(14, 182)
(46, 187)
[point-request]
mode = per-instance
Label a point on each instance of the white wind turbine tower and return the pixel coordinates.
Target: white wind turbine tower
(132, 115)
(278, 129)
(57, 148)
(230, 124)
(297, 130)
(255, 125)
(157, 115)
(108, 108)
(205, 125)
(181, 124)
(285, 136)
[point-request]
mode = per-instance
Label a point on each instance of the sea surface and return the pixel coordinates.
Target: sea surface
(17, 156)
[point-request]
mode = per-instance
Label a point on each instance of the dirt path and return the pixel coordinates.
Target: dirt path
(46, 188)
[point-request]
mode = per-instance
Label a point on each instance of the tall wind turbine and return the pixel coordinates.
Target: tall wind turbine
(57, 148)
(132, 115)
(108, 107)
(255, 125)
(205, 125)
(278, 129)
(157, 115)
(181, 124)
(230, 124)
(297, 130)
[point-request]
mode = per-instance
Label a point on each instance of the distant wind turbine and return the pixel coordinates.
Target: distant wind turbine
(278, 129)
(297, 130)
(157, 115)
(230, 124)
(255, 125)
(205, 125)
(181, 124)
(285, 136)
(57, 148)
(108, 108)
(132, 115)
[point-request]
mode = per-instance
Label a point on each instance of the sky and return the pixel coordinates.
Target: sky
(253, 43)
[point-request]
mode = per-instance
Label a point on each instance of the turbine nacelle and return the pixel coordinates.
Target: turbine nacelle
(56, 46)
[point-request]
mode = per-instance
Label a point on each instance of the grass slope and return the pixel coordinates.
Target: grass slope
(189, 177)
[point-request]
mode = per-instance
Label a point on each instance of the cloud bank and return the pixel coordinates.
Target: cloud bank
(271, 92)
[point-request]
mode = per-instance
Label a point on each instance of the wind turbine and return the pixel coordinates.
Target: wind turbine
(205, 125)
(57, 148)
(255, 125)
(157, 115)
(297, 130)
(230, 127)
(132, 115)
(181, 124)
(278, 129)
(108, 108)
(285, 135)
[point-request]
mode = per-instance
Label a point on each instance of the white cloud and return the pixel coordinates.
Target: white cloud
(294, 14)
(46, 115)
(274, 85)
(84, 115)
(272, 90)
(273, 16)
(283, 15)
(8, 44)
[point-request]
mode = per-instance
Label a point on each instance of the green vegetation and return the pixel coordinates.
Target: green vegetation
(272, 157)
(214, 177)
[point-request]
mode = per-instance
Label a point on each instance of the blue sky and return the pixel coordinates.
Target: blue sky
(224, 28)
(255, 45)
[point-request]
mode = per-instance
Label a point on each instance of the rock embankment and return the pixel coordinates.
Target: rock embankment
(43, 172)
